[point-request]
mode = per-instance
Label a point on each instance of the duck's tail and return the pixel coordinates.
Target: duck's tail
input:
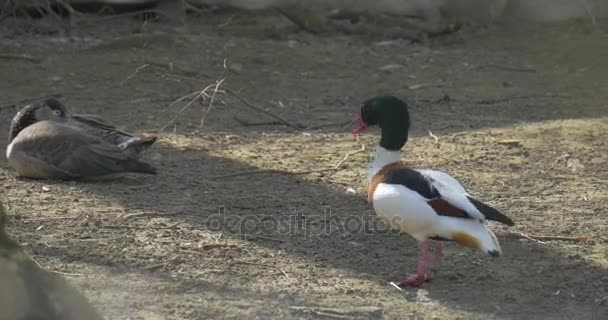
(135, 146)
(469, 233)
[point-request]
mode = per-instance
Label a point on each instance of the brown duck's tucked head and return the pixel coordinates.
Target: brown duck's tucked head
(391, 115)
(48, 109)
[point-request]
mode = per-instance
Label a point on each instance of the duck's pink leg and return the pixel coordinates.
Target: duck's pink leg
(438, 252)
(422, 273)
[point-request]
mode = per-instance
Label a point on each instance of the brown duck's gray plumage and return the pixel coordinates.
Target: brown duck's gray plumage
(108, 132)
(45, 143)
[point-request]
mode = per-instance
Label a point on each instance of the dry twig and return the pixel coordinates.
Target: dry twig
(149, 214)
(255, 236)
(143, 66)
(506, 68)
(530, 96)
(348, 155)
(25, 57)
(541, 239)
(434, 137)
(258, 109)
(199, 94)
(48, 219)
(246, 123)
(510, 142)
(217, 85)
(260, 171)
(340, 313)
(263, 265)
(331, 124)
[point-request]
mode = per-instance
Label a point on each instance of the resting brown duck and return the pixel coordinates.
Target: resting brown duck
(45, 141)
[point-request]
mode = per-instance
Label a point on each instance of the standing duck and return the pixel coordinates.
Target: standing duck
(426, 204)
(45, 143)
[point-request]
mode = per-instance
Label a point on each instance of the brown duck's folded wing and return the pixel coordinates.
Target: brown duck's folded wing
(101, 159)
(80, 155)
(93, 120)
(102, 129)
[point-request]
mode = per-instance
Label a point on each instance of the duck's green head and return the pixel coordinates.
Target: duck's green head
(391, 115)
(47, 109)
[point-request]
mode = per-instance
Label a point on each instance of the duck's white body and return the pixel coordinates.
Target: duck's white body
(411, 213)
(427, 204)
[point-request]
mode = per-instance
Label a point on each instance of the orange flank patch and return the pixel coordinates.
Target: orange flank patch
(466, 240)
(379, 177)
(443, 208)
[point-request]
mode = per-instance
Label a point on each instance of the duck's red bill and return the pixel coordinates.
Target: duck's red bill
(362, 127)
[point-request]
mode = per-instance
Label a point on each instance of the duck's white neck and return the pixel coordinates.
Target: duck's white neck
(382, 157)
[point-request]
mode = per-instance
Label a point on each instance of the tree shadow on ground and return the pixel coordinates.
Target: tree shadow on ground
(309, 221)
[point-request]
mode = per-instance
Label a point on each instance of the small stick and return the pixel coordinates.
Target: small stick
(531, 96)
(250, 172)
(255, 236)
(521, 235)
(207, 247)
(41, 268)
(121, 226)
(143, 66)
(25, 57)
(216, 245)
(260, 171)
(331, 124)
(541, 238)
(245, 102)
(149, 214)
(506, 68)
(433, 136)
(246, 123)
(263, 265)
(348, 155)
(189, 95)
(510, 142)
(590, 14)
(127, 14)
(66, 273)
(348, 312)
(217, 85)
(48, 219)
(396, 286)
(227, 22)
(198, 96)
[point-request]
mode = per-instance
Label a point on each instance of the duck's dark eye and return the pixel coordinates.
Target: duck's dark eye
(57, 112)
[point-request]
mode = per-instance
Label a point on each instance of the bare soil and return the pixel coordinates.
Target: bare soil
(188, 245)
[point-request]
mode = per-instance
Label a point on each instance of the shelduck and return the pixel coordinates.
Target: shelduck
(426, 204)
(46, 142)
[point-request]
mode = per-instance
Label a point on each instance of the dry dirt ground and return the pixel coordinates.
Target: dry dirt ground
(272, 245)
